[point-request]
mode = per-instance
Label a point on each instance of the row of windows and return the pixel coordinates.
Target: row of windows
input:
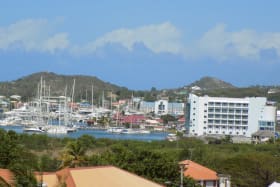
(224, 116)
(236, 122)
(227, 110)
(224, 127)
(237, 133)
(228, 104)
(266, 123)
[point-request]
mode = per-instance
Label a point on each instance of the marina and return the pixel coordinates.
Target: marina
(97, 133)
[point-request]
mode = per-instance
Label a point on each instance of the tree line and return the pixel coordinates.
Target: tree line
(248, 165)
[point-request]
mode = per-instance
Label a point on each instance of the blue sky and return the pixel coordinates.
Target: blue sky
(143, 44)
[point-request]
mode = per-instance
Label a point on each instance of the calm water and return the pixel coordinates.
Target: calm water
(101, 134)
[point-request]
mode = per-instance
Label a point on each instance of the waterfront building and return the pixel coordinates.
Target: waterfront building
(229, 116)
(162, 107)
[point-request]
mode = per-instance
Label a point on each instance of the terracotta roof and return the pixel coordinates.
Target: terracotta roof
(50, 178)
(198, 172)
(7, 175)
(99, 176)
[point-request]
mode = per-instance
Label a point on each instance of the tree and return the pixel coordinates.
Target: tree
(73, 154)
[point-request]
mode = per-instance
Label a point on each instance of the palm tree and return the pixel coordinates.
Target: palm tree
(73, 154)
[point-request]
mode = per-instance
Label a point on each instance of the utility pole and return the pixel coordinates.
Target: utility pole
(182, 168)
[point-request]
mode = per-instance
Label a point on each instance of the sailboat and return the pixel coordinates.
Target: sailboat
(62, 129)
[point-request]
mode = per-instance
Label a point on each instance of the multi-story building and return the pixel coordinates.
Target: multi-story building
(228, 116)
(162, 107)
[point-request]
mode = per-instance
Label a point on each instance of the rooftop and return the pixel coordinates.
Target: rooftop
(95, 177)
(198, 172)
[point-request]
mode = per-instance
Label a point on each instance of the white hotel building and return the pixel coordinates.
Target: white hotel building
(228, 116)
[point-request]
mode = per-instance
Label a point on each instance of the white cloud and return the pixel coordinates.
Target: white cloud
(158, 38)
(222, 45)
(32, 35)
(217, 43)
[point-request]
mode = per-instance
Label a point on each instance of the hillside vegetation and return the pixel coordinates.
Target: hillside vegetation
(27, 87)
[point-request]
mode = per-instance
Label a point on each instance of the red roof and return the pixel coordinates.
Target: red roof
(182, 119)
(133, 119)
(198, 172)
(7, 175)
(97, 176)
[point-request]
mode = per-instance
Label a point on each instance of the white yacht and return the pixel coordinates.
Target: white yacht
(115, 129)
(130, 131)
(34, 129)
(172, 137)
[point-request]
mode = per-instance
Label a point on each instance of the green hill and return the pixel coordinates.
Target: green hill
(27, 86)
(209, 83)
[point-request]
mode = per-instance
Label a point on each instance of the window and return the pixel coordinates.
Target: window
(217, 121)
(245, 105)
(245, 111)
(238, 111)
(211, 110)
(224, 104)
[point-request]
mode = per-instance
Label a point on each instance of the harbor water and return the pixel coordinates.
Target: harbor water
(153, 136)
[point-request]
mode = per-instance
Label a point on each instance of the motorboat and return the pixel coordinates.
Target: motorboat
(34, 129)
(115, 129)
(172, 137)
(130, 131)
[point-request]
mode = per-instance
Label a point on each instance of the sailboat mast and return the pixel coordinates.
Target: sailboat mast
(92, 97)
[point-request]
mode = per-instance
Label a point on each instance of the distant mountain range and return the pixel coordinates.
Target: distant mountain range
(27, 87)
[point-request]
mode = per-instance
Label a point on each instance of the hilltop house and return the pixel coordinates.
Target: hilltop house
(203, 175)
